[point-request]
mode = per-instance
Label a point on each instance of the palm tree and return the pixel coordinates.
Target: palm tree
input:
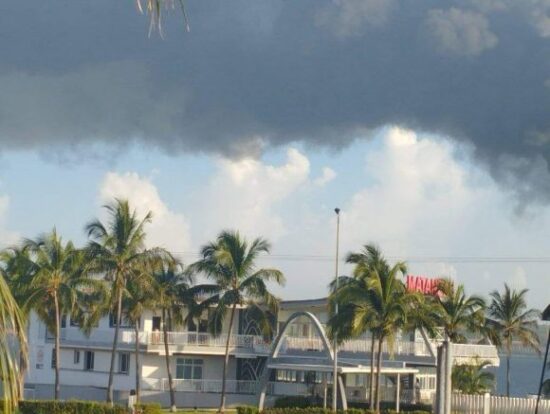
(117, 249)
(170, 283)
(58, 283)
(510, 320)
(354, 295)
(458, 313)
(230, 262)
(139, 296)
(12, 326)
(154, 9)
(472, 378)
(390, 302)
(16, 269)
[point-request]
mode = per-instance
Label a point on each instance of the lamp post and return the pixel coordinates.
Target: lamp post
(335, 346)
(545, 317)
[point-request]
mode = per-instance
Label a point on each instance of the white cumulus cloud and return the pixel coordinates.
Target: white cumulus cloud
(168, 228)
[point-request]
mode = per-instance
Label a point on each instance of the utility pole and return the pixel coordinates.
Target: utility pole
(335, 346)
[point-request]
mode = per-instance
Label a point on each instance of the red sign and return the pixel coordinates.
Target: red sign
(422, 284)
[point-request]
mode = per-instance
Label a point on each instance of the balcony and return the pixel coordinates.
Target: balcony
(190, 342)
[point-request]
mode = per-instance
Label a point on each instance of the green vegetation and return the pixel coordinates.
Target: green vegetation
(472, 378)
(116, 274)
(230, 262)
(510, 320)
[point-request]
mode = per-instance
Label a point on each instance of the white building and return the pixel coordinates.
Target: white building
(196, 360)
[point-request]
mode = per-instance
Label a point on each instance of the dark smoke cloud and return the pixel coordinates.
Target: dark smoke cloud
(267, 71)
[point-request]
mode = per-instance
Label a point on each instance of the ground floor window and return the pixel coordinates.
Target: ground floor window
(76, 357)
(89, 361)
(189, 368)
(53, 358)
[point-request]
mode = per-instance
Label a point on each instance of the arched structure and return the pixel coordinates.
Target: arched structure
(277, 346)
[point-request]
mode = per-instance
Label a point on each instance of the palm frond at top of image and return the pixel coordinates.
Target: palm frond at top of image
(154, 9)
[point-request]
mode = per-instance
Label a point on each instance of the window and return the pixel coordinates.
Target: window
(76, 357)
(53, 358)
(187, 368)
(125, 322)
(123, 362)
(88, 361)
(286, 375)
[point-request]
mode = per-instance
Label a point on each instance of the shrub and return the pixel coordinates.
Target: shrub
(291, 401)
(69, 407)
(247, 409)
(149, 408)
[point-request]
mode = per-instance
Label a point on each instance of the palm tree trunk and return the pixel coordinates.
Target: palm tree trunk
(168, 370)
(508, 374)
(22, 372)
(138, 367)
(371, 383)
(226, 359)
(115, 345)
(378, 373)
(57, 345)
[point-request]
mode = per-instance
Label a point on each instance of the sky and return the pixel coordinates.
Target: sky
(427, 125)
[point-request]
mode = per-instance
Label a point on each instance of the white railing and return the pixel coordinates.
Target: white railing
(205, 339)
(214, 386)
(358, 345)
(486, 404)
(98, 336)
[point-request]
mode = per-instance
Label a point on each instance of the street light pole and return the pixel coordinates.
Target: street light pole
(335, 346)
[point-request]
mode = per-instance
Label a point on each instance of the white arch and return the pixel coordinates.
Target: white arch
(277, 346)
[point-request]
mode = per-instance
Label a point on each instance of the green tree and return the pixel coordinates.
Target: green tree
(139, 296)
(117, 249)
(58, 283)
(12, 327)
(472, 378)
(390, 303)
(16, 268)
(509, 321)
(230, 262)
(458, 313)
(355, 315)
(176, 298)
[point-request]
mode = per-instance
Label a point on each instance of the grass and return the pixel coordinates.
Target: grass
(201, 411)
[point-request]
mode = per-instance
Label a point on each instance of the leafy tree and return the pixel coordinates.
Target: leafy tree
(458, 313)
(355, 315)
(117, 250)
(16, 268)
(176, 297)
(230, 262)
(59, 282)
(139, 296)
(473, 378)
(510, 320)
(12, 327)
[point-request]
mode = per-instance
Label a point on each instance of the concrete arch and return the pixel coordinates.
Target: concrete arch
(277, 347)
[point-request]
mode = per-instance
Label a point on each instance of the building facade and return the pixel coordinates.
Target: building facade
(196, 361)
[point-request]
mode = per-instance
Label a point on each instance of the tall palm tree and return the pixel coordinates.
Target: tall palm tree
(12, 327)
(472, 378)
(354, 296)
(58, 282)
(16, 268)
(171, 284)
(389, 302)
(458, 313)
(510, 320)
(117, 249)
(139, 296)
(230, 262)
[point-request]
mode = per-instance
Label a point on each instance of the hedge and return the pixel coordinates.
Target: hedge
(67, 407)
(319, 410)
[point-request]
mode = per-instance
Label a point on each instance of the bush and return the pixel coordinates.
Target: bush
(69, 407)
(149, 408)
(247, 409)
(291, 401)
